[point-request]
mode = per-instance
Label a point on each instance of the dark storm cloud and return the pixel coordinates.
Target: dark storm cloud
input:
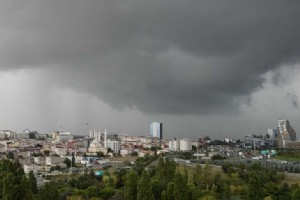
(293, 99)
(278, 79)
(161, 56)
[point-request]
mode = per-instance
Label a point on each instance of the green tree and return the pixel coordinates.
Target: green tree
(218, 157)
(255, 186)
(157, 187)
(170, 191)
(135, 153)
(84, 181)
(220, 187)
(10, 155)
(92, 173)
(49, 192)
(73, 160)
(109, 150)
(16, 188)
(46, 152)
(271, 190)
(67, 161)
(284, 192)
(14, 183)
(74, 197)
(32, 183)
(100, 154)
(107, 193)
(165, 170)
(164, 195)
(25, 190)
(131, 185)
(180, 186)
(295, 192)
(8, 186)
(144, 191)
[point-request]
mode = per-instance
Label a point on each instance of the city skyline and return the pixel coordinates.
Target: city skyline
(201, 68)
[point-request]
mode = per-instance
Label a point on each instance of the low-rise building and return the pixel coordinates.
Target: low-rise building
(52, 160)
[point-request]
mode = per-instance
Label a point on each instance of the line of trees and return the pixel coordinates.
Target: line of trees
(166, 181)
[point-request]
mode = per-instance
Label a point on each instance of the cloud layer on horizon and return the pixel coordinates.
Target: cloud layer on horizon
(168, 57)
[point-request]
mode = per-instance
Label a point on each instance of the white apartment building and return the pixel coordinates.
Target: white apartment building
(4, 134)
(64, 136)
(180, 145)
(185, 144)
(125, 152)
(114, 145)
(174, 145)
(61, 150)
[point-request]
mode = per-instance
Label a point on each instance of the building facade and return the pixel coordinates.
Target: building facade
(185, 144)
(286, 133)
(174, 145)
(156, 130)
(115, 146)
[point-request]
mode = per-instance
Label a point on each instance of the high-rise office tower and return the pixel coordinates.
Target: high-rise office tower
(286, 133)
(156, 130)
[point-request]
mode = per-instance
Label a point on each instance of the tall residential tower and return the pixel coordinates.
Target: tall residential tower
(156, 130)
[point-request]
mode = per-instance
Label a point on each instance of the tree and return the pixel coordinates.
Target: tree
(84, 181)
(157, 187)
(131, 185)
(109, 150)
(15, 187)
(255, 186)
(100, 154)
(180, 188)
(284, 192)
(32, 183)
(271, 190)
(107, 193)
(24, 190)
(144, 191)
(220, 187)
(110, 180)
(218, 157)
(8, 193)
(14, 183)
(46, 152)
(40, 154)
(165, 171)
(74, 197)
(135, 153)
(170, 191)
(10, 155)
(164, 195)
(49, 192)
(67, 161)
(295, 191)
(73, 160)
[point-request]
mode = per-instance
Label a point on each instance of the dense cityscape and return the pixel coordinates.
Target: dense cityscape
(149, 100)
(101, 154)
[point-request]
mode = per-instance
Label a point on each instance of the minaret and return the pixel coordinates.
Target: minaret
(91, 134)
(105, 138)
(98, 135)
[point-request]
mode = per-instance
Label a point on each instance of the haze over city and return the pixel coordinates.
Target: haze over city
(222, 69)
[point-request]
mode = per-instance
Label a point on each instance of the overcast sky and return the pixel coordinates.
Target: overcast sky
(218, 68)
